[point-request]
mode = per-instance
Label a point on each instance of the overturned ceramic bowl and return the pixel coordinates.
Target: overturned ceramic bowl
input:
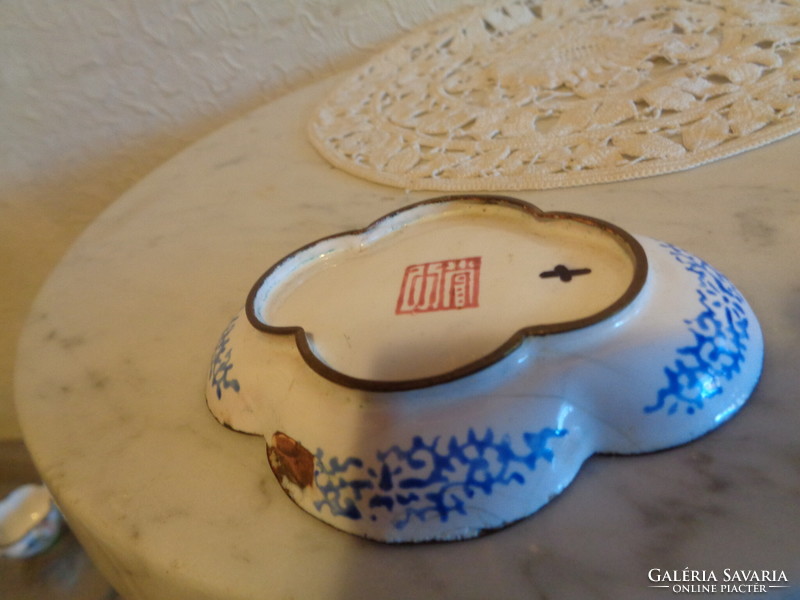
(446, 370)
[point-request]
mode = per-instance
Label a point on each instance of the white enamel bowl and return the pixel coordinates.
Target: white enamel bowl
(447, 370)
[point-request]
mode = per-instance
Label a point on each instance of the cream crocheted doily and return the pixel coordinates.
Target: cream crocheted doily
(535, 94)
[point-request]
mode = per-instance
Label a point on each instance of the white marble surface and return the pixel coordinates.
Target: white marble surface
(113, 361)
(94, 95)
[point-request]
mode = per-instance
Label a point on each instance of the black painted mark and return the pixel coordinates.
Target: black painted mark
(563, 273)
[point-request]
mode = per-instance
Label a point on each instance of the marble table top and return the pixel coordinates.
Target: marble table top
(169, 504)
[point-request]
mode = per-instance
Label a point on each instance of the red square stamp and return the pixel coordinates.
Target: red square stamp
(441, 285)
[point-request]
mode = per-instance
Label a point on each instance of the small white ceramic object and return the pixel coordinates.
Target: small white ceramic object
(446, 370)
(29, 522)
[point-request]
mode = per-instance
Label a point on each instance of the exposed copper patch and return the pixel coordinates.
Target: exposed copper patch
(290, 459)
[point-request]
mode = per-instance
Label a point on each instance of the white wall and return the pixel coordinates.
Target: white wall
(94, 94)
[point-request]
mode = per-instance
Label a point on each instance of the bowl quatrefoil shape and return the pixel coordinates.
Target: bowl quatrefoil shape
(447, 370)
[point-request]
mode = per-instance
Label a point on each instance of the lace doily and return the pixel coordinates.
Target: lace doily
(536, 94)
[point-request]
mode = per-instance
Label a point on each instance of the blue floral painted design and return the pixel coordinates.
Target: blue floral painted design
(720, 333)
(428, 479)
(221, 364)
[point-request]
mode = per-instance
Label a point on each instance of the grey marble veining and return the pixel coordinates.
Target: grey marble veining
(169, 504)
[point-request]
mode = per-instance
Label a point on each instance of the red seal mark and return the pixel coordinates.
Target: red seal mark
(441, 285)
